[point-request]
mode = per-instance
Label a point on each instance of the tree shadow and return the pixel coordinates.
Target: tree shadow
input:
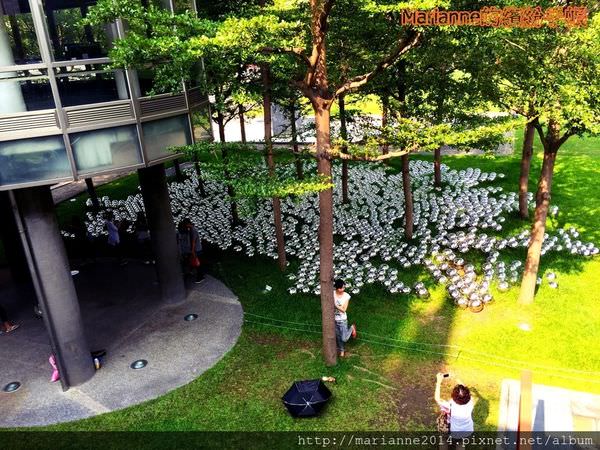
(481, 411)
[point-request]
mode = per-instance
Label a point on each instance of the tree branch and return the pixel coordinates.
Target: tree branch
(296, 51)
(567, 135)
(540, 129)
(514, 44)
(403, 46)
(350, 157)
(319, 29)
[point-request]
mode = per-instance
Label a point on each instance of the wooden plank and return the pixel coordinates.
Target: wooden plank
(525, 411)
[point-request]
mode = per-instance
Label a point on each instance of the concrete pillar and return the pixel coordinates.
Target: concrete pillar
(54, 284)
(153, 181)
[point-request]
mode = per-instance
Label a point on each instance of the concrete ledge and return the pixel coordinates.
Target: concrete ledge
(177, 352)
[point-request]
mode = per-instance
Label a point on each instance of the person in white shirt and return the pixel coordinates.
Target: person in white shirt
(343, 332)
(459, 408)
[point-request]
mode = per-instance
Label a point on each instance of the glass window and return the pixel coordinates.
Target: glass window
(201, 124)
(80, 85)
(149, 85)
(37, 159)
(181, 6)
(25, 90)
(18, 43)
(70, 39)
(196, 76)
(106, 149)
(159, 135)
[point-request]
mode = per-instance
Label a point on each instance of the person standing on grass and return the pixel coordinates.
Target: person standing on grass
(7, 325)
(343, 332)
(458, 411)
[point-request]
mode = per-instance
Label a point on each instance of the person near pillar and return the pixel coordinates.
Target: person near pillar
(80, 247)
(7, 325)
(114, 238)
(142, 236)
(190, 247)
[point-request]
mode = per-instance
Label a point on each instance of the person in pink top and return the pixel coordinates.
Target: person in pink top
(343, 332)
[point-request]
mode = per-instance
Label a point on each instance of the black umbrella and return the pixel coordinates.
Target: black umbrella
(306, 398)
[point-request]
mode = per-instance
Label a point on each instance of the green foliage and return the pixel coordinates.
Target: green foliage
(244, 169)
(415, 135)
(549, 73)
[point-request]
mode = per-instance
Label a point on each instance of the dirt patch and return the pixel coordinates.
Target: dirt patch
(413, 400)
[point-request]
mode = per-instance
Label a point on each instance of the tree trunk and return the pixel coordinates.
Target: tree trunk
(221, 125)
(437, 167)
(525, 166)
(297, 160)
(235, 217)
(266, 80)
(322, 122)
(178, 173)
(201, 189)
(539, 227)
(344, 133)
(16, 33)
(385, 113)
(242, 124)
(92, 193)
(408, 198)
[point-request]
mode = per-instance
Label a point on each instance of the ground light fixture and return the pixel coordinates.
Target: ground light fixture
(11, 387)
(190, 317)
(139, 364)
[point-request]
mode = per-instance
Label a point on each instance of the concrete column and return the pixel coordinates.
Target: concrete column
(54, 284)
(153, 181)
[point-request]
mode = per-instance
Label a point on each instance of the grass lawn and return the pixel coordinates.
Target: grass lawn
(387, 382)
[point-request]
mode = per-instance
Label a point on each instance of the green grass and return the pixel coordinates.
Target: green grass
(117, 189)
(385, 387)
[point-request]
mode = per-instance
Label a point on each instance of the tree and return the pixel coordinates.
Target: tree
(566, 103)
(518, 76)
(442, 90)
(271, 36)
(316, 87)
(291, 30)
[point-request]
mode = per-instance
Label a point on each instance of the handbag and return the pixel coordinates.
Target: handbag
(443, 422)
(194, 261)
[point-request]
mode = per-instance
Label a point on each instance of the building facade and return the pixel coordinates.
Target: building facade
(65, 114)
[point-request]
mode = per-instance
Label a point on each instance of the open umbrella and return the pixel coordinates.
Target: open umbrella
(306, 398)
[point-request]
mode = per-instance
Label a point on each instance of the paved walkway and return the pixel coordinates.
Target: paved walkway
(126, 318)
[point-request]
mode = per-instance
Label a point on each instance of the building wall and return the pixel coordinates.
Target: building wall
(65, 114)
